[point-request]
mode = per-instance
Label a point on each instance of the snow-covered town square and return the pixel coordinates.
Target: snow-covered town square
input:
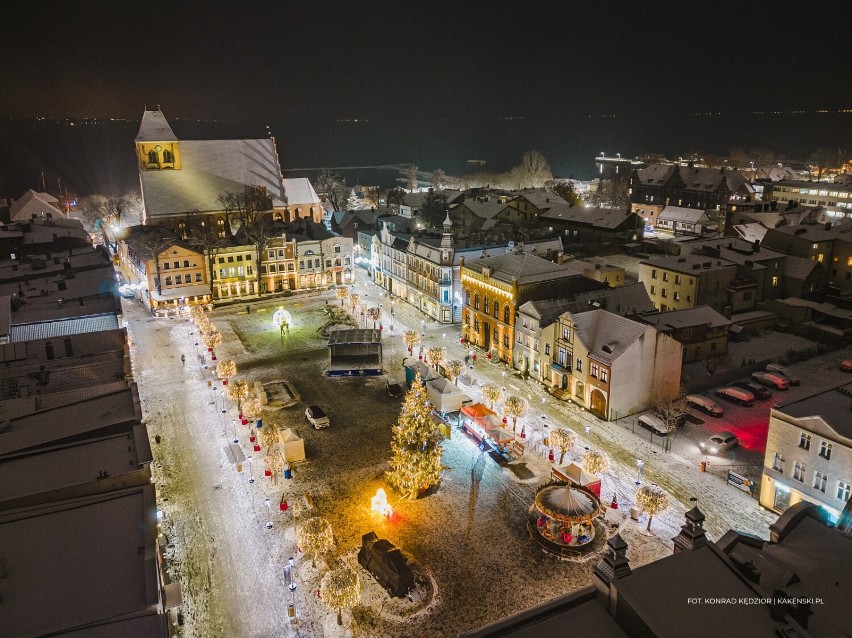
(230, 529)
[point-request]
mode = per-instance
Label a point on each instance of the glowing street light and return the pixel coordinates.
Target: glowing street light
(640, 464)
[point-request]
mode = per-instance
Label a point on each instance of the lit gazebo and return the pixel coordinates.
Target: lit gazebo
(562, 517)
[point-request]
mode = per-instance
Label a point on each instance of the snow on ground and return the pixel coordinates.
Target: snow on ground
(470, 536)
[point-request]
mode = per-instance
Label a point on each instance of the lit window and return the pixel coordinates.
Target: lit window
(579, 364)
(604, 375)
(778, 463)
(594, 370)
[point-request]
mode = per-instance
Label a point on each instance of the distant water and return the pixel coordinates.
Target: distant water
(100, 157)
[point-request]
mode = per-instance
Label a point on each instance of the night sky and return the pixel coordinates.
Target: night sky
(262, 60)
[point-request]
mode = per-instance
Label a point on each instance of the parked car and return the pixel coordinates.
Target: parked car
(317, 417)
(771, 380)
(774, 368)
(846, 365)
(756, 389)
(652, 424)
(737, 395)
(704, 404)
(719, 442)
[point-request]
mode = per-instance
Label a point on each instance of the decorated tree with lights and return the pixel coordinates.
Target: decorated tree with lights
(340, 589)
(273, 461)
(563, 440)
(226, 369)
(453, 368)
(315, 538)
(492, 394)
(212, 338)
(196, 313)
(437, 356)
(354, 301)
(595, 462)
(411, 339)
(515, 407)
(239, 391)
(252, 407)
(375, 314)
(652, 500)
(415, 445)
(342, 293)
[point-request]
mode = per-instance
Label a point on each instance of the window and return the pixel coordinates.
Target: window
(664, 293)
(820, 480)
(580, 389)
(774, 282)
(778, 463)
(677, 279)
(653, 290)
(653, 273)
(676, 296)
(197, 277)
(843, 491)
(799, 471)
(566, 334)
(168, 281)
(594, 370)
(849, 261)
(476, 301)
(186, 263)
(496, 309)
(337, 248)
(178, 279)
(496, 336)
(665, 276)
(805, 441)
(747, 295)
(273, 268)
(604, 375)
(221, 273)
(165, 265)
(562, 357)
(506, 314)
(177, 264)
(825, 450)
(506, 340)
(547, 348)
(486, 305)
(579, 364)
(686, 334)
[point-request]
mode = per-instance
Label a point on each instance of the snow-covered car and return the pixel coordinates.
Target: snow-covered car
(756, 389)
(771, 380)
(704, 404)
(719, 442)
(774, 368)
(317, 417)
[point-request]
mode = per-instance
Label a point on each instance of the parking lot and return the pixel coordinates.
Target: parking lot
(751, 424)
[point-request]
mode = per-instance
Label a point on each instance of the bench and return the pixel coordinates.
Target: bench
(516, 450)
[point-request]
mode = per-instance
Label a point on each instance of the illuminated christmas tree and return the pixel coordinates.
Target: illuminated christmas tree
(416, 445)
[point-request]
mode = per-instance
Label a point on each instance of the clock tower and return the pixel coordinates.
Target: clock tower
(157, 147)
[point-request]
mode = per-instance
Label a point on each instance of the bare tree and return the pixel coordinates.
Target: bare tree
(250, 210)
(333, 187)
(410, 177)
(739, 158)
(669, 404)
(823, 159)
(204, 236)
(763, 159)
(372, 195)
(535, 169)
(565, 189)
(439, 179)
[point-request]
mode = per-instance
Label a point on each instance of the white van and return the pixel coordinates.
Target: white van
(653, 424)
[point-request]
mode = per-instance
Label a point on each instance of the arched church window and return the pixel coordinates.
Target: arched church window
(152, 157)
(168, 156)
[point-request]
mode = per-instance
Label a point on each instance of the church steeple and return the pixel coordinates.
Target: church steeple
(157, 146)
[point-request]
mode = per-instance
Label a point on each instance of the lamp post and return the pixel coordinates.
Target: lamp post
(640, 464)
(234, 423)
(291, 580)
(268, 515)
(588, 429)
(251, 470)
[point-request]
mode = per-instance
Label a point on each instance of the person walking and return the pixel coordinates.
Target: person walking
(183, 358)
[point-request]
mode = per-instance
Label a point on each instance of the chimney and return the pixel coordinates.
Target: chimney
(613, 566)
(756, 246)
(692, 535)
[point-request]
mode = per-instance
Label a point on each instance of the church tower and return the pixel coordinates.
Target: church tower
(157, 147)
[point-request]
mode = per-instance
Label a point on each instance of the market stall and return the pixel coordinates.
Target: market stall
(483, 424)
(576, 475)
(413, 366)
(444, 396)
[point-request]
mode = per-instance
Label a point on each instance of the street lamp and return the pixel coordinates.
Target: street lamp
(588, 429)
(251, 470)
(268, 515)
(640, 464)
(291, 564)
(234, 423)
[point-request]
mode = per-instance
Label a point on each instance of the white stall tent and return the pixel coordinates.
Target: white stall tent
(292, 445)
(444, 396)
